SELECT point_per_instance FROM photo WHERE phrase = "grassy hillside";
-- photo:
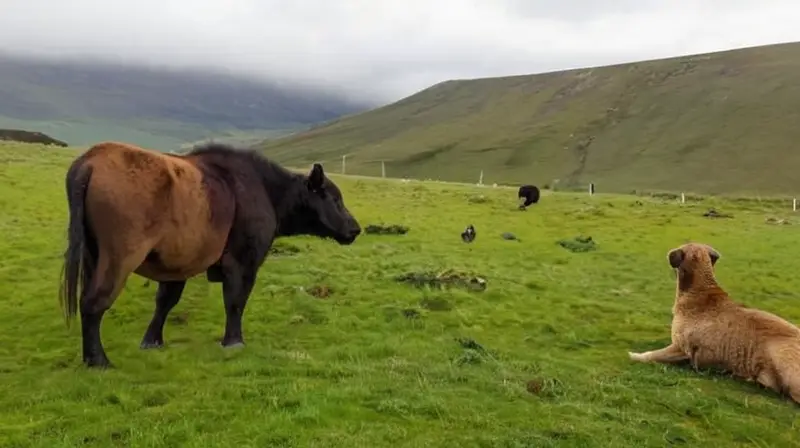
(537, 359)
(715, 123)
(19, 136)
(83, 103)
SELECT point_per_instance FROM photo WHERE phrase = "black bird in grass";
(468, 235)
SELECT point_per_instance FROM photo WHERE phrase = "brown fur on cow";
(711, 330)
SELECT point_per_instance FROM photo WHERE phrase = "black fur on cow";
(530, 193)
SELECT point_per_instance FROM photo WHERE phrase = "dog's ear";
(714, 255)
(675, 257)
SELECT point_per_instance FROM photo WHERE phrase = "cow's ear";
(316, 178)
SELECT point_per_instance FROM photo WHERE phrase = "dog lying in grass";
(712, 331)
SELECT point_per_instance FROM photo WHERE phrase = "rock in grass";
(509, 236)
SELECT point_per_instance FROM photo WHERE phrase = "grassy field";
(537, 359)
(712, 123)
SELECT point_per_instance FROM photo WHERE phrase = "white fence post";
(794, 204)
(480, 179)
(683, 198)
(344, 161)
(383, 168)
(591, 188)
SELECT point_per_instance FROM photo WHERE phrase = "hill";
(340, 354)
(82, 103)
(18, 135)
(711, 123)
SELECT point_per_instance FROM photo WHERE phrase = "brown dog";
(711, 330)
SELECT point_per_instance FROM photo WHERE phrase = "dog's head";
(692, 256)
(694, 264)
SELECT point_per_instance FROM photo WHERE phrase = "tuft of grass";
(578, 244)
(537, 359)
(717, 123)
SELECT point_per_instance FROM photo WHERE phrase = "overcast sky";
(386, 49)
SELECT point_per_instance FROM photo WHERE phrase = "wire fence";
(398, 171)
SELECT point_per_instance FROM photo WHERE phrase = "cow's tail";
(78, 258)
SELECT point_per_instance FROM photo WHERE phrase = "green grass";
(378, 363)
(713, 123)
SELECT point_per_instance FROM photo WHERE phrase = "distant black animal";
(530, 195)
(468, 235)
(168, 218)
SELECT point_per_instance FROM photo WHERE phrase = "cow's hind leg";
(237, 285)
(168, 295)
(108, 280)
(105, 286)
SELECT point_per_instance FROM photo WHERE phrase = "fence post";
(480, 179)
(683, 198)
(591, 188)
(383, 168)
(794, 204)
(344, 158)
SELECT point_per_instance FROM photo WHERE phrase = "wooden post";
(591, 188)
(683, 198)
(794, 204)
(480, 179)
(344, 161)
(383, 168)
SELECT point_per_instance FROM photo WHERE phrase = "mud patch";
(380, 229)
(320, 291)
(446, 279)
(713, 213)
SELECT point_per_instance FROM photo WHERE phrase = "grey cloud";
(386, 49)
(579, 10)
